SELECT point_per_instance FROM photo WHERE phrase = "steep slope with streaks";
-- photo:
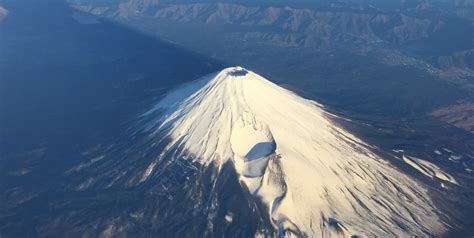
(312, 177)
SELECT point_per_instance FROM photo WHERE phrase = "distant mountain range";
(434, 38)
(439, 29)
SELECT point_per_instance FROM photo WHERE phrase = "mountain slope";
(312, 177)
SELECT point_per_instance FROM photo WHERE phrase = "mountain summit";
(310, 176)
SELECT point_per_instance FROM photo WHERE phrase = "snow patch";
(448, 150)
(428, 169)
(229, 218)
(455, 157)
(148, 171)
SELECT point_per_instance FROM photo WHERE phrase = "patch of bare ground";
(460, 115)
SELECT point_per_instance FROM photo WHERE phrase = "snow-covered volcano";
(312, 177)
